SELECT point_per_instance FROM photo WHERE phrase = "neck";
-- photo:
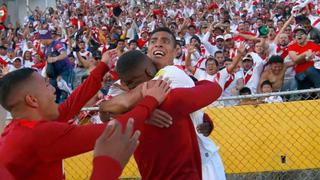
(26, 113)
(302, 44)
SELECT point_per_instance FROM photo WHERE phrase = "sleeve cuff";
(150, 102)
(101, 68)
(105, 167)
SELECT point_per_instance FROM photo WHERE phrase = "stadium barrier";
(261, 141)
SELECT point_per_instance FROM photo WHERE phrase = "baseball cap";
(300, 28)
(227, 36)
(220, 37)
(45, 34)
(247, 58)
(209, 15)
(128, 20)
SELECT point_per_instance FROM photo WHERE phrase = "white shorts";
(213, 169)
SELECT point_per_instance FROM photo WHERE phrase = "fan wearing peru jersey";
(252, 67)
(224, 77)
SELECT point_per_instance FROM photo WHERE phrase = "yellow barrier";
(268, 137)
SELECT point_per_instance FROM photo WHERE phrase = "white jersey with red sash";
(252, 76)
(282, 51)
(229, 86)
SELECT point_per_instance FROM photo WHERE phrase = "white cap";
(209, 15)
(128, 20)
(219, 37)
(227, 36)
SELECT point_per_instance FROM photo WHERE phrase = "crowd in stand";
(243, 46)
(281, 40)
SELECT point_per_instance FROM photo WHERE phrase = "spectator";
(57, 61)
(247, 101)
(275, 73)
(266, 87)
(17, 64)
(303, 52)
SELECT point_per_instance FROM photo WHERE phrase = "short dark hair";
(217, 52)
(276, 59)
(132, 41)
(196, 38)
(167, 30)
(212, 59)
(129, 61)
(244, 90)
(228, 60)
(10, 82)
(266, 82)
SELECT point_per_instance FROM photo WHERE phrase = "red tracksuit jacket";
(173, 153)
(35, 149)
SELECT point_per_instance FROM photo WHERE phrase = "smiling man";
(162, 50)
(38, 138)
(302, 53)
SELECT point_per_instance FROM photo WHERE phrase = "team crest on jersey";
(160, 73)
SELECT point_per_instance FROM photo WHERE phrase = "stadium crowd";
(245, 46)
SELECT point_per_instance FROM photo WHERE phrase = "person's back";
(169, 149)
(173, 153)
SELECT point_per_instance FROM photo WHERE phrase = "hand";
(160, 119)
(110, 57)
(242, 49)
(51, 59)
(115, 144)
(309, 54)
(204, 128)
(159, 90)
(191, 49)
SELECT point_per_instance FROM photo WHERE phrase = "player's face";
(45, 97)
(162, 49)
(276, 68)
(144, 73)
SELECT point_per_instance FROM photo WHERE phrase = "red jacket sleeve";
(148, 103)
(56, 140)
(5, 174)
(105, 167)
(82, 94)
(205, 93)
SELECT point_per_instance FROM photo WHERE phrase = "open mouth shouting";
(158, 53)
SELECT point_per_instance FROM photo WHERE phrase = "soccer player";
(179, 141)
(34, 144)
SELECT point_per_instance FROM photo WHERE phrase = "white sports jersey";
(252, 77)
(203, 75)
(212, 167)
(228, 88)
